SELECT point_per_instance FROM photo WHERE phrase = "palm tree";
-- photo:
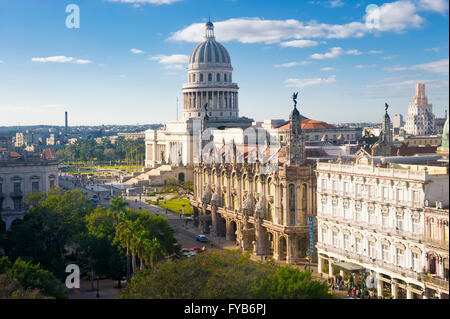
(140, 241)
(118, 206)
(124, 237)
(153, 251)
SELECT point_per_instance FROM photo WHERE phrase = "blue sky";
(127, 61)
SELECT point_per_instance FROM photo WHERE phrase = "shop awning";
(349, 266)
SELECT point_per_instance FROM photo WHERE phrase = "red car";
(198, 249)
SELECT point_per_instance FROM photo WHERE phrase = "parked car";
(202, 238)
(199, 249)
(107, 197)
(190, 218)
(94, 196)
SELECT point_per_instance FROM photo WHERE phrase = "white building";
(210, 99)
(420, 118)
(18, 177)
(372, 218)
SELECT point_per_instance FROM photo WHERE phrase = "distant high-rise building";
(398, 121)
(67, 125)
(420, 118)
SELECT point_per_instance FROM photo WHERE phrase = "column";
(425, 294)
(319, 264)
(394, 289)
(289, 249)
(379, 286)
(409, 293)
(330, 268)
(227, 230)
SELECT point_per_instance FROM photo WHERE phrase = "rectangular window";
(52, 183)
(358, 215)
(35, 186)
(345, 188)
(385, 219)
(385, 193)
(415, 225)
(358, 245)
(400, 222)
(17, 188)
(416, 197)
(17, 202)
(347, 214)
(324, 184)
(372, 250)
(385, 253)
(335, 186)
(400, 257)
(372, 218)
(335, 239)
(346, 242)
(415, 261)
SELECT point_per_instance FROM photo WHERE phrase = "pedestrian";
(349, 292)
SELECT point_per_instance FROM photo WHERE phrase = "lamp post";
(98, 294)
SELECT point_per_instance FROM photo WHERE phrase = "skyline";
(128, 61)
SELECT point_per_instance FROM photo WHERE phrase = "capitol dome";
(210, 90)
(210, 51)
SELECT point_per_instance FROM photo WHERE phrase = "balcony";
(16, 194)
(440, 282)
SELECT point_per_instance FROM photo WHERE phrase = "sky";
(126, 60)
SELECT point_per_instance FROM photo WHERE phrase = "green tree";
(32, 277)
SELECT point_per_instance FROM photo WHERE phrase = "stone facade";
(263, 205)
(19, 177)
(374, 218)
(436, 239)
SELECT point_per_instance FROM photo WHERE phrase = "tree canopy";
(222, 275)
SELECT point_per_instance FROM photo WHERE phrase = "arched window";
(292, 203)
(218, 77)
(209, 77)
(432, 229)
(225, 77)
(201, 77)
(445, 226)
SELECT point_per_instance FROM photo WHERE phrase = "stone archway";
(2, 226)
(432, 263)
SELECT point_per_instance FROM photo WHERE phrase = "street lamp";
(98, 294)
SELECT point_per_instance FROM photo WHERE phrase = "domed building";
(209, 97)
(210, 82)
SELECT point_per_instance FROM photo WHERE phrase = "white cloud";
(291, 64)
(256, 30)
(301, 83)
(334, 53)
(170, 59)
(440, 67)
(299, 43)
(365, 66)
(336, 3)
(440, 6)
(61, 59)
(171, 62)
(395, 16)
(138, 2)
(1, 61)
(327, 68)
(432, 49)
(136, 51)
(388, 57)
(375, 52)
